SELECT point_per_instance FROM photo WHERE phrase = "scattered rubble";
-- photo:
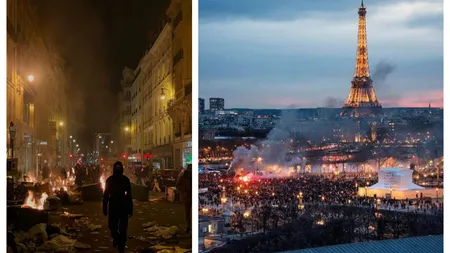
(38, 233)
(149, 224)
(166, 249)
(47, 238)
(58, 244)
(94, 227)
(79, 245)
(160, 231)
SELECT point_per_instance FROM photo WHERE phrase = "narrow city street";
(157, 209)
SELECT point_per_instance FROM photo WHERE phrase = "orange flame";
(103, 182)
(31, 202)
(61, 184)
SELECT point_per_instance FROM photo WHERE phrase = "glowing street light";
(30, 78)
(163, 94)
(77, 145)
(127, 129)
(74, 140)
(70, 137)
(61, 123)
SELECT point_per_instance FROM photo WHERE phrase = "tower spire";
(362, 57)
(362, 94)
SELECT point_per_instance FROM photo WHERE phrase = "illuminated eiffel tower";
(362, 100)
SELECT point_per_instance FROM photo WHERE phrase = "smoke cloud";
(331, 102)
(274, 148)
(382, 71)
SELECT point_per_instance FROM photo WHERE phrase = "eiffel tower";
(362, 100)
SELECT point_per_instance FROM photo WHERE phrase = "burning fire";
(30, 179)
(31, 202)
(103, 182)
(59, 184)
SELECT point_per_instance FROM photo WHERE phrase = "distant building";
(216, 104)
(201, 105)
(125, 110)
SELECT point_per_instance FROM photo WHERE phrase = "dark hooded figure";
(118, 205)
(184, 187)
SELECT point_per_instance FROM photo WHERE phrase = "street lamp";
(61, 123)
(77, 145)
(163, 94)
(74, 140)
(70, 137)
(30, 78)
(127, 129)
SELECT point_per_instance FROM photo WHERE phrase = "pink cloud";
(416, 99)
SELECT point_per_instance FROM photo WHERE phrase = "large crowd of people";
(260, 204)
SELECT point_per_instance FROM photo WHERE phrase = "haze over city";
(302, 53)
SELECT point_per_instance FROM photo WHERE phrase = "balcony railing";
(177, 20)
(178, 57)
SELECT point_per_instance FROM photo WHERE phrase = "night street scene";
(343, 166)
(99, 105)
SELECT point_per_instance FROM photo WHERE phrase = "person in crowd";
(45, 171)
(156, 185)
(184, 187)
(118, 205)
(79, 175)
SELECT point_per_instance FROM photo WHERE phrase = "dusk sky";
(290, 53)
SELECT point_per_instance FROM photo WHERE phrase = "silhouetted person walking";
(184, 187)
(118, 205)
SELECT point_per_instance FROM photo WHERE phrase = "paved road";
(162, 211)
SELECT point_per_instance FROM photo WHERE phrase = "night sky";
(98, 39)
(292, 53)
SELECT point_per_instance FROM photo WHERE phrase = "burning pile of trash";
(32, 202)
(65, 189)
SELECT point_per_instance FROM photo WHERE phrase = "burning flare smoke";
(31, 202)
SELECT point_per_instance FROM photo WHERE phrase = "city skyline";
(279, 53)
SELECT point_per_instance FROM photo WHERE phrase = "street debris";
(71, 215)
(166, 249)
(79, 245)
(58, 244)
(160, 231)
(94, 227)
(149, 224)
